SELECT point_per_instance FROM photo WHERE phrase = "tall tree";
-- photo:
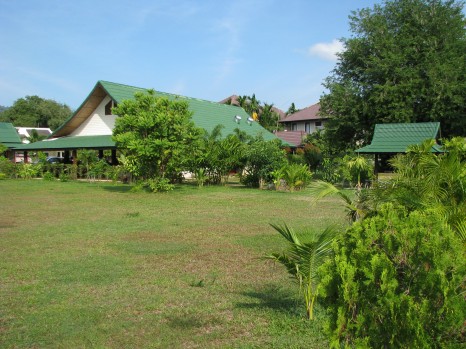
(34, 111)
(157, 135)
(406, 62)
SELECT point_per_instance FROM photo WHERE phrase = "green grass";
(95, 266)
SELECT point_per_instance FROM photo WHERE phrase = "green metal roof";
(8, 135)
(396, 138)
(206, 114)
(71, 142)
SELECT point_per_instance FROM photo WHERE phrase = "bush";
(7, 167)
(396, 281)
(294, 175)
(159, 185)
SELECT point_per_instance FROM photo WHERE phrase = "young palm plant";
(357, 207)
(303, 258)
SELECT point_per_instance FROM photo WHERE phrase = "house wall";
(301, 126)
(98, 123)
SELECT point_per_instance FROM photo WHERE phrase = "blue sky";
(279, 50)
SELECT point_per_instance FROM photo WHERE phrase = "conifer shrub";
(397, 280)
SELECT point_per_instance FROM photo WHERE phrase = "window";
(294, 126)
(307, 127)
(109, 106)
(318, 123)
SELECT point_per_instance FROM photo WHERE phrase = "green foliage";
(217, 156)
(156, 134)
(159, 185)
(265, 114)
(33, 111)
(28, 171)
(329, 170)
(396, 281)
(313, 155)
(7, 167)
(3, 149)
(261, 159)
(406, 62)
(48, 176)
(295, 176)
(429, 182)
(306, 252)
(357, 169)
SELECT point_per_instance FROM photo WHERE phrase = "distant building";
(298, 125)
(26, 132)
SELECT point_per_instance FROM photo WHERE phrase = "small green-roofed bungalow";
(391, 139)
(9, 137)
(92, 124)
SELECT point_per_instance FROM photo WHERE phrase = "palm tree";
(428, 181)
(357, 208)
(302, 260)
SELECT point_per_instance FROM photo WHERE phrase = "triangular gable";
(396, 138)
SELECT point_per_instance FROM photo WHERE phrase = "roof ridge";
(165, 93)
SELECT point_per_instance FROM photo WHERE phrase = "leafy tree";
(157, 135)
(33, 111)
(261, 159)
(406, 62)
(292, 109)
(265, 114)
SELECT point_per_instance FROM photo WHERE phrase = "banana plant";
(303, 258)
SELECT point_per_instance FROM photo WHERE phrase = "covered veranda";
(71, 145)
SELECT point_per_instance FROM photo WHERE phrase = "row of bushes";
(98, 170)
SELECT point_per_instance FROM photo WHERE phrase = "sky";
(281, 50)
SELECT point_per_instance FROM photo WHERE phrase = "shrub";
(159, 185)
(296, 176)
(7, 167)
(396, 281)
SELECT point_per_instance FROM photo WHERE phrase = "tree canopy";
(34, 111)
(406, 62)
(157, 135)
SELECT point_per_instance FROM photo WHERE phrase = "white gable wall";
(97, 123)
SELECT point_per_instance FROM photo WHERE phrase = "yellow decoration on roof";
(254, 116)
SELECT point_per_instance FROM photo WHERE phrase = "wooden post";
(101, 154)
(25, 154)
(75, 156)
(376, 166)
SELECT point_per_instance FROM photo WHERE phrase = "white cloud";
(327, 50)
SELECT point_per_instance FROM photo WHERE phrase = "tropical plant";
(357, 205)
(306, 252)
(357, 166)
(296, 176)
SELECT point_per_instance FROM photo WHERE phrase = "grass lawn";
(95, 266)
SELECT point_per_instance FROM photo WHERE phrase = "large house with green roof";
(91, 126)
